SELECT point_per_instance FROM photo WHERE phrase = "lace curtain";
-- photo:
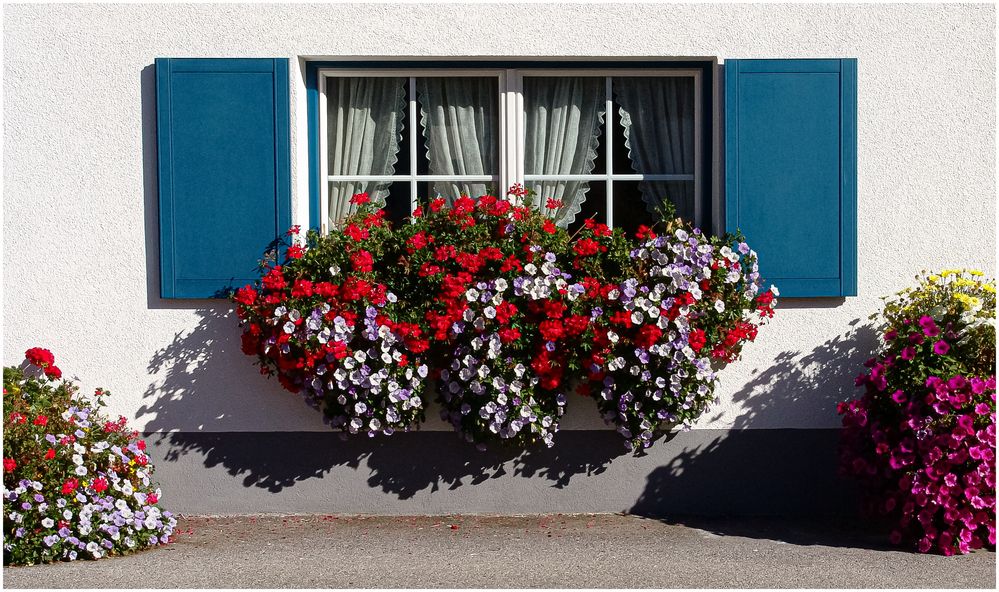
(563, 117)
(460, 120)
(657, 114)
(365, 118)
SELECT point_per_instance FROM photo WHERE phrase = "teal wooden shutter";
(791, 170)
(224, 159)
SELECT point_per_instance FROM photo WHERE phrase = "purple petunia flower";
(941, 348)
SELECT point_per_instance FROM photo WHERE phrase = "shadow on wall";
(814, 381)
(199, 369)
(741, 472)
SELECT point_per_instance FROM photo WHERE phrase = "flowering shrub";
(326, 324)
(75, 485)
(922, 437)
(688, 299)
(497, 307)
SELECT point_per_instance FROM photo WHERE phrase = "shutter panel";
(791, 170)
(224, 160)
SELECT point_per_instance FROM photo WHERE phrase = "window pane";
(364, 132)
(397, 205)
(657, 118)
(657, 121)
(393, 196)
(595, 206)
(638, 202)
(459, 120)
(563, 118)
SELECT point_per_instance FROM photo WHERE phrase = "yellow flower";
(975, 272)
(933, 279)
(969, 302)
(949, 272)
(989, 288)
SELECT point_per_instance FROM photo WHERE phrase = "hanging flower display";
(498, 315)
(325, 324)
(689, 303)
(499, 310)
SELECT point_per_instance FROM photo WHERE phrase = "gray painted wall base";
(702, 472)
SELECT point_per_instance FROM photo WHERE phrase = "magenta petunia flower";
(941, 348)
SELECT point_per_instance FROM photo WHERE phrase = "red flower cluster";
(43, 359)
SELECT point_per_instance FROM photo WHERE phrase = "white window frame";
(510, 84)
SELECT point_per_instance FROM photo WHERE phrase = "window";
(612, 144)
(790, 147)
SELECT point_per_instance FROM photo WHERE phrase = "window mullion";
(514, 126)
(609, 143)
(323, 137)
(413, 124)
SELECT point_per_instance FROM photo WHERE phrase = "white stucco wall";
(80, 232)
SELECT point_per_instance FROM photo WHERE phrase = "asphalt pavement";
(550, 551)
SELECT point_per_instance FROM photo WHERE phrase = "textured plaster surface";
(80, 221)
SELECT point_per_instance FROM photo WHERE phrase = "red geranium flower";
(362, 261)
(9, 465)
(246, 296)
(301, 289)
(70, 486)
(697, 340)
(360, 199)
(40, 357)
